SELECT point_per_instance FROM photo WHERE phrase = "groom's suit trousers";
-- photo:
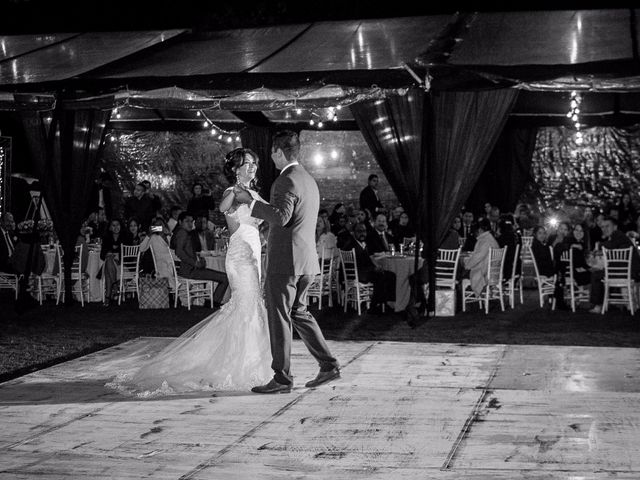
(287, 309)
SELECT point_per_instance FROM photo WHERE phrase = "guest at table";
(340, 226)
(402, 230)
(580, 248)
(339, 211)
(201, 200)
(626, 213)
(110, 254)
(99, 224)
(384, 282)
(507, 237)
(204, 238)
(155, 246)
(192, 266)
(135, 234)
(394, 221)
(140, 206)
(380, 240)
(325, 239)
(613, 238)
(174, 213)
(477, 263)
(542, 253)
(452, 238)
(20, 257)
(468, 231)
(595, 232)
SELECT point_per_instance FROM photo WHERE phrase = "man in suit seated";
(613, 238)
(384, 282)
(191, 266)
(379, 240)
(468, 231)
(205, 239)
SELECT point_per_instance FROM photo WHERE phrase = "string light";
(574, 115)
(215, 129)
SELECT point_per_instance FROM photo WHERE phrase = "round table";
(403, 267)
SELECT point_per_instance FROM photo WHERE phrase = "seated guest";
(626, 213)
(339, 225)
(613, 238)
(20, 257)
(136, 235)
(110, 253)
(204, 238)
(477, 263)
(395, 219)
(468, 231)
(579, 245)
(174, 213)
(384, 282)
(542, 253)
(182, 221)
(323, 213)
(402, 230)
(379, 240)
(507, 237)
(99, 224)
(155, 246)
(338, 211)
(452, 239)
(192, 266)
(595, 232)
(325, 239)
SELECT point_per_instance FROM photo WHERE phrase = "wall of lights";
(5, 173)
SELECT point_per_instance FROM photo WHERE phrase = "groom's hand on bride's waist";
(242, 195)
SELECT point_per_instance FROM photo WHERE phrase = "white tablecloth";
(403, 267)
(93, 267)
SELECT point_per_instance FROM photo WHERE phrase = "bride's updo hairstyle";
(234, 160)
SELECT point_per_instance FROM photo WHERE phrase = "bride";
(228, 350)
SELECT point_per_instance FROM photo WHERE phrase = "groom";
(292, 264)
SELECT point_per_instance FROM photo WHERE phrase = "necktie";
(384, 241)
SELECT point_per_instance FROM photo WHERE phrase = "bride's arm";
(227, 200)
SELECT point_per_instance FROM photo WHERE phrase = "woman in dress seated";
(110, 254)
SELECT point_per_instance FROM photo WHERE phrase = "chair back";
(526, 240)
(617, 263)
(349, 265)
(129, 256)
(447, 267)
(496, 264)
(534, 261)
(77, 266)
(326, 262)
(516, 256)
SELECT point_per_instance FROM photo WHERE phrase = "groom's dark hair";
(288, 142)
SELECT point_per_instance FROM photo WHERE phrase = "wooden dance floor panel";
(400, 410)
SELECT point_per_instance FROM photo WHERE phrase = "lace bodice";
(242, 214)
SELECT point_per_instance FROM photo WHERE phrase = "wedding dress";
(228, 350)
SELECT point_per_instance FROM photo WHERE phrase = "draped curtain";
(259, 139)
(432, 148)
(66, 145)
(507, 172)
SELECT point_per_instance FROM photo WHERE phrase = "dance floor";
(400, 410)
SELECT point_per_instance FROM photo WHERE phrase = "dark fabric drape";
(466, 126)
(66, 144)
(432, 148)
(507, 172)
(259, 139)
(393, 130)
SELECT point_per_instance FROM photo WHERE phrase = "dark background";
(35, 16)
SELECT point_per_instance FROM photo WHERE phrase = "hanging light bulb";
(220, 137)
(229, 139)
(312, 122)
(339, 107)
(238, 138)
(320, 124)
(213, 131)
(335, 118)
(205, 123)
(298, 111)
(198, 113)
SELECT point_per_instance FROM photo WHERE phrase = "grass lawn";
(50, 334)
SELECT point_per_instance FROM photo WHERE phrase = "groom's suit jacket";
(292, 214)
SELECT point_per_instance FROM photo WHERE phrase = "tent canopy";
(315, 65)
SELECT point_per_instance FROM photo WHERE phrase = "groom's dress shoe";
(323, 377)
(272, 387)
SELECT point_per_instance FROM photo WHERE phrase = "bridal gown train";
(228, 350)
